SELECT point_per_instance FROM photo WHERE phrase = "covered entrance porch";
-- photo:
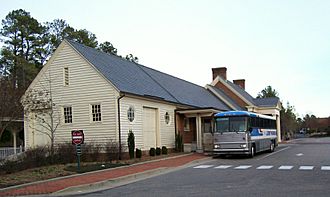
(195, 126)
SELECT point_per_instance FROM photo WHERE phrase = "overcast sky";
(282, 43)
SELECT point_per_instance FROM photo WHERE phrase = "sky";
(281, 43)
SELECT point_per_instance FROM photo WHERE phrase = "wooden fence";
(7, 151)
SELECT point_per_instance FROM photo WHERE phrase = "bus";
(243, 132)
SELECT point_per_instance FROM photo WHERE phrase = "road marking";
(264, 167)
(273, 153)
(223, 166)
(300, 154)
(243, 167)
(285, 167)
(203, 166)
(325, 168)
(306, 167)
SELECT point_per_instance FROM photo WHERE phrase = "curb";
(108, 184)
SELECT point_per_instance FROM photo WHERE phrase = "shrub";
(131, 144)
(112, 150)
(10, 166)
(37, 157)
(178, 143)
(164, 150)
(138, 153)
(65, 153)
(158, 151)
(90, 151)
(152, 152)
(31, 158)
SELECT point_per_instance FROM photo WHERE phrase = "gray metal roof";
(260, 102)
(241, 91)
(266, 102)
(129, 77)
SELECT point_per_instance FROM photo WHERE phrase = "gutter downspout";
(175, 119)
(119, 127)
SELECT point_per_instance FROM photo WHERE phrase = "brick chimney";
(240, 83)
(221, 71)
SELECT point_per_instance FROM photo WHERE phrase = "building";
(106, 96)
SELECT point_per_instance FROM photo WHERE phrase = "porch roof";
(197, 111)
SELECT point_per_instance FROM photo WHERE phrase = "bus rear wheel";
(271, 147)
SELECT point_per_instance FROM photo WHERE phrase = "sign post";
(78, 139)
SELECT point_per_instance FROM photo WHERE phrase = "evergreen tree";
(267, 93)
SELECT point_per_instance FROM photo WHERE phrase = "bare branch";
(41, 103)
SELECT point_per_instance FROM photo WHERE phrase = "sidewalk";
(103, 179)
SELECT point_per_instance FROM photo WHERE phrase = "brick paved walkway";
(60, 184)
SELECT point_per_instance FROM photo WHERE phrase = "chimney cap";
(219, 71)
(240, 83)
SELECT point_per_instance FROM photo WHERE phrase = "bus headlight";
(216, 146)
(243, 145)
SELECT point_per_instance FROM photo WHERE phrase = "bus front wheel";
(252, 151)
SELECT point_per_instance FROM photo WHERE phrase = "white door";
(149, 128)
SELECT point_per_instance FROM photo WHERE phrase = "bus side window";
(273, 124)
(253, 123)
(267, 123)
(259, 123)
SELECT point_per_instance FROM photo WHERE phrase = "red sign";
(77, 137)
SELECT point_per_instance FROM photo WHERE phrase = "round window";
(130, 114)
(167, 118)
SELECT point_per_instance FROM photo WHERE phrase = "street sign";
(77, 137)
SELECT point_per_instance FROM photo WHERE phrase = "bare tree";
(45, 112)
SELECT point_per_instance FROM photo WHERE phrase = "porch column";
(199, 133)
(15, 143)
(278, 128)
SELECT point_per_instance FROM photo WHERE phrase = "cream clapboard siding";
(166, 132)
(86, 87)
(34, 138)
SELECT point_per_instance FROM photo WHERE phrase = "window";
(167, 118)
(231, 124)
(206, 125)
(238, 124)
(222, 125)
(67, 114)
(66, 76)
(96, 113)
(262, 123)
(186, 124)
(130, 114)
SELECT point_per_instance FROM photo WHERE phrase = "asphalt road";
(300, 168)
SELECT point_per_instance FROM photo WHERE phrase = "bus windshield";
(231, 124)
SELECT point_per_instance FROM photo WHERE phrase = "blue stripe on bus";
(263, 132)
(235, 113)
